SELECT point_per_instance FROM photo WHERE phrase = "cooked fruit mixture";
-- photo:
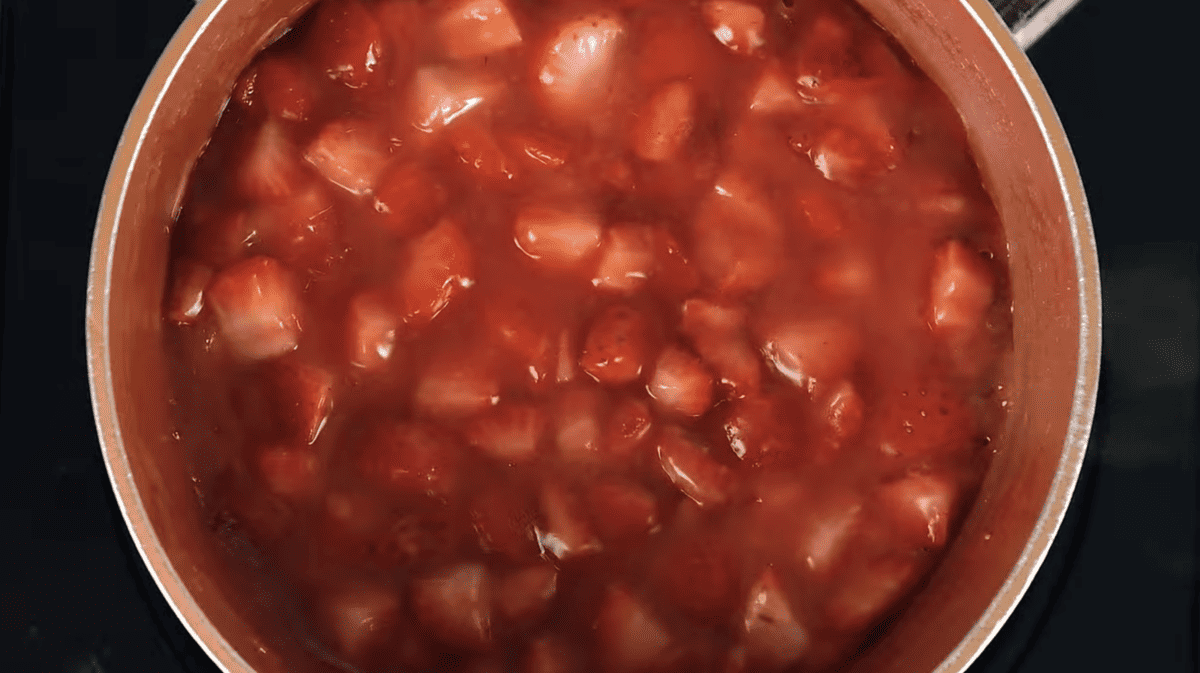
(561, 337)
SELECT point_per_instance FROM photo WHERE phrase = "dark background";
(1117, 593)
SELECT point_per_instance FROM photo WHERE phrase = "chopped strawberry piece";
(675, 47)
(843, 411)
(478, 151)
(346, 43)
(561, 239)
(503, 520)
(824, 216)
(348, 520)
(576, 67)
(411, 458)
(525, 594)
(300, 230)
(825, 536)
(622, 510)
(511, 323)
(849, 157)
(577, 424)
(739, 26)
(752, 427)
(827, 54)
(628, 425)
(775, 92)
(271, 167)
(455, 604)
(439, 267)
(440, 95)
(186, 300)
(921, 507)
(477, 28)
(719, 335)
(414, 537)
(773, 636)
(675, 275)
(282, 86)
(921, 418)
(361, 619)
(303, 395)
(407, 198)
(257, 308)
(349, 153)
(538, 150)
(566, 365)
(455, 385)
(738, 238)
(289, 472)
(627, 259)
(696, 572)
(811, 352)
(371, 326)
(867, 590)
(509, 432)
(961, 288)
(665, 122)
(630, 638)
(548, 654)
(846, 274)
(692, 470)
(404, 25)
(680, 384)
(565, 534)
(616, 349)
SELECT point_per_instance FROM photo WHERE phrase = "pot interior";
(1027, 168)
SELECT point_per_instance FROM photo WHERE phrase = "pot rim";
(214, 644)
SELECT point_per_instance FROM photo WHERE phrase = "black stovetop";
(1118, 591)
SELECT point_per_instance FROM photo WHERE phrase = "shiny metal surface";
(1028, 168)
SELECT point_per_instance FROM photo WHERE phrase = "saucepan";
(1027, 166)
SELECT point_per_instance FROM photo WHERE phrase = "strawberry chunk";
(271, 167)
(560, 239)
(303, 395)
(565, 533)
(577, 424)
(773, 637)
(823, 216)
(439, 267)
(628, 426)
(509, 432)
(371, 326)
(575, 68)
(349, 153)
(616, 348)
(675, 275)
(504, 523)
(510, 322)
(346, 43)
(822, 540)
(848, 156)
(811, 352)
(289, 472)
(455, 604)
(282, 86)
(680, 384)
(630, 638)
(537, 150)
(455, 385)
(301, 229)
(622, 510)
(739, 26)
(868, 590)
(845, 274)
(441, 95)
(186, 299)
(718, 333)
(478, 151)
(477, 28)
(693, 470)
(411, 458)
(525, 595)
(407, 198)
(361, 619)
(738, 238)
(961, 288)
(774, 92)
(665, 122)
(921, 507)
(627, 259)
(842, 412)
(221, 238)
(257, 308)
(548, 654)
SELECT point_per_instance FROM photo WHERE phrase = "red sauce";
(561, 337)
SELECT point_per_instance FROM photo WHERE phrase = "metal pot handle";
(1030, 19)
